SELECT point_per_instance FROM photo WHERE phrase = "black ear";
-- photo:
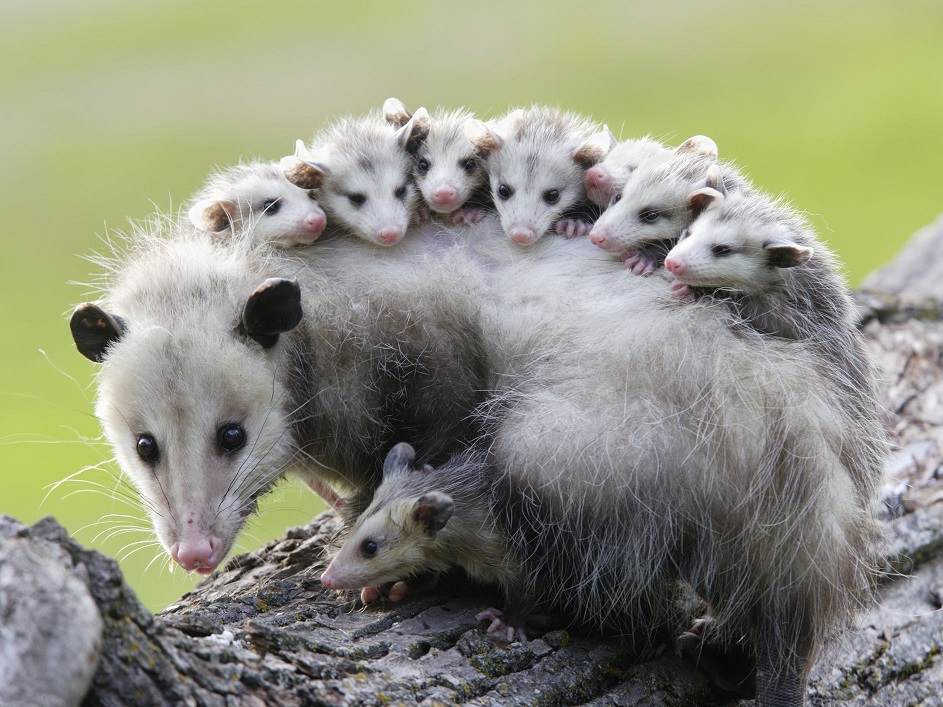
(94, 330)
(400, 458)
(433, 510)
(787, 255)
(274, 308)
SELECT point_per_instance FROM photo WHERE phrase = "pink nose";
(674, 265)
(522, 235)
(389, 236)
(327, 579)
(197, 554)
(597, 178)
(599, 235)
(315, 221)
(444, 196)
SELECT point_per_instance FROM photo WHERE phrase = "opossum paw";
(498, 625)
(731, 669)
(394, 592)
(467, 216)
(421, 215)
(573, 227)
(682, 291)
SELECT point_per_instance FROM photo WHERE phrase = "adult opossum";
(634, 439)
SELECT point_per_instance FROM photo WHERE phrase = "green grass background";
(108, 108)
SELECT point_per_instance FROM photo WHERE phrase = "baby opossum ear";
(613, 141)
(302, 171)
(395, 112)
(787, 255)
(485, 140)
(433, 510)
(697, 145)
(399, 459)
(704, 199)
(94, 330)
(213, 216)
(414, 133)
(594, 149)
(274, 308)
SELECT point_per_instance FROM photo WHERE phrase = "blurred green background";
(109, 108)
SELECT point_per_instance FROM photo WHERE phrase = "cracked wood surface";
(264, 631)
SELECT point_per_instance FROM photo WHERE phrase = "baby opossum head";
(361, 170)
(400, 533)
(188, 395)
(735, 245)
(653, 205)
(606, 179)
(448, 168)
(258, 197)
(536, 161)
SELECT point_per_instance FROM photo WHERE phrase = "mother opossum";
(637, 439)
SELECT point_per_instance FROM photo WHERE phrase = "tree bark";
(264, 631)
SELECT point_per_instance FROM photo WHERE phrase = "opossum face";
(606, 179)
(276, 210)
(448, 169)
(195, 414)
(652, 207)
(535, 169)
(399, 533)
(738, 254)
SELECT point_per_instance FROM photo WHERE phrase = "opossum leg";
(730, 668)
(394, 592)
(421, 215)
(640, 263)
(682, 291)
(508, 626)
(466, 215)
(573, 227)
(784, 656)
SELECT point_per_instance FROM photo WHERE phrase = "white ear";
(704, 199)
(212, 215)
(482, 137)
(786, 254)
(395, 113)
(612, 138)
(698, 145)
(594, 149)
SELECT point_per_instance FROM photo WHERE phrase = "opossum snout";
(523, 235)
(328, 579)
(674, 265)
(389, 235)
(198, 554)
(598, 178)
(600, 236)
(444, 197)
(315, 221)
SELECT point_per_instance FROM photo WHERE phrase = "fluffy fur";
(608, 178)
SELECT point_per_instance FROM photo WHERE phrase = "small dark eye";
(649, 215)
(551, 196)
(400, 193)
(470, 165)
(147, 448)
(270, 207)
(368, 548)
(721, 250)
(615, 199)
(422, 166)
(357, 199)
(313, 195)
(231, 437)
(505, 192)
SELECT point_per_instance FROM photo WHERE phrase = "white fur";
(608, 178)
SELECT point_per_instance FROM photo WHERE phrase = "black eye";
(470, 165)
(551, 196)
(649, 215)
(231, 437)
(313, 195)
(357, 199)
(400, 193)
(271, 206)
(368, 548)
(422, 166)
(615, 199)
(721, 250)
(147, 448)
(504, 191)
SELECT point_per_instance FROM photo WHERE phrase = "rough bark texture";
(264, 631)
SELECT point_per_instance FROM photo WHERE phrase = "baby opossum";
(360, 168)
(761, 258)
(429, 520)
(448, 169)
(258, 195)
(606, 179)
(536, 161)
(221, 372)
(647, 217)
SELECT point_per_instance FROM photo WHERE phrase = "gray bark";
(264, 631)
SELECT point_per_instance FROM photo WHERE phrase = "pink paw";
(421, 215)
(682, 291)
(639, 264)
(573, 227)
(467, 216)
(394, 592)
(498, 625)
